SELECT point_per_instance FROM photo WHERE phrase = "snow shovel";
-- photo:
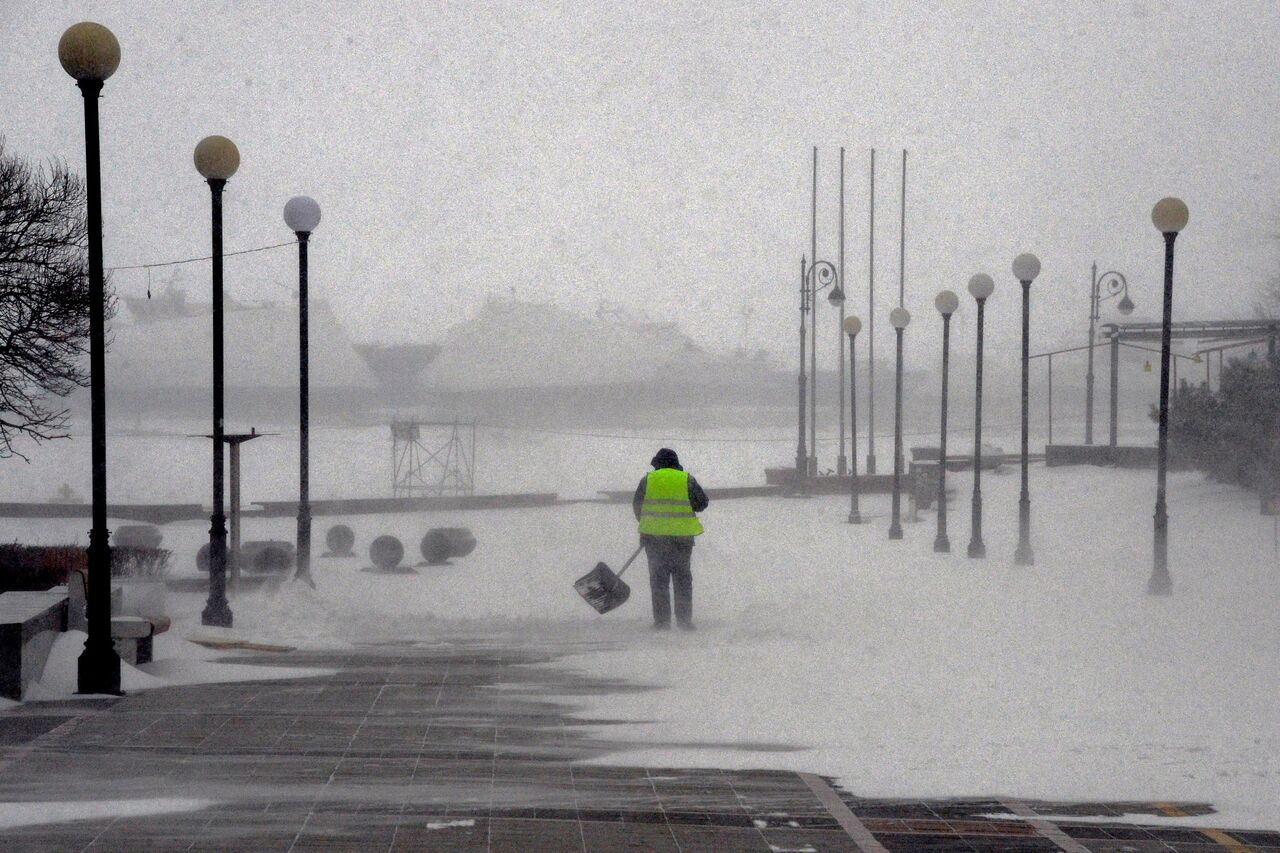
(603, 589)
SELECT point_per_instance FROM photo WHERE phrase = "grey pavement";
(465, 746)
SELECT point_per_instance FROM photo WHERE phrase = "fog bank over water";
(659, 157)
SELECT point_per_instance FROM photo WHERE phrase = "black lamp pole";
(1024, 556)
(802, 454)
(1025, 269)
(1160, 582)
(217, 611)
(98, 668)
(941, 544)
(216, 159)
(303, 571)
(1169, 216)
(977, 548)
(895, 525)
(855, 515)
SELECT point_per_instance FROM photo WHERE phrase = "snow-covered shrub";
(1233, 433)
(35, 567)
(136, 561)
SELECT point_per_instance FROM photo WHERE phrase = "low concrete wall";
(728, 493)
(1130, 456)
(992, 458)
(151, 513)
(881, 484)
(366, 506)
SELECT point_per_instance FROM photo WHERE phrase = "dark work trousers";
(669, 558)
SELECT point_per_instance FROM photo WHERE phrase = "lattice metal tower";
(433, 458)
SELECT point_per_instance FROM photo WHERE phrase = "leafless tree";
(1267, 305)
(44, 298)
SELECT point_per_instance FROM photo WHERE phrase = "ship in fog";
(510, 360)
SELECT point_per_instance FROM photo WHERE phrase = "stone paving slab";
(428, 748)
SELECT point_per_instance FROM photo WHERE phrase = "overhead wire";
(201, 258)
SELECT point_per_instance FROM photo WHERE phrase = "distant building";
(519, 360)
(162, 359)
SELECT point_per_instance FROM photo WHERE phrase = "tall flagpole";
(842, 461)
(871, 328)
(902, 251)
(813, 324)
(902, 246)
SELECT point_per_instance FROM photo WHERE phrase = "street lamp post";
(1169, 216)
(1025, 268)
(216, 159)
(302, 215)
(946, 302)
(821, 275)
(980, 287)
(1113, 430)
(898, 318)
(90, 53)
(852, 325)
(1114, 284)
(815, 278)
(802, 453)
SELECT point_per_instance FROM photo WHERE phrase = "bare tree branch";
(44, 298)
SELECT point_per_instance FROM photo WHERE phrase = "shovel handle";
(631, 559)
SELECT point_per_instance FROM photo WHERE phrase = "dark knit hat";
(665, 458)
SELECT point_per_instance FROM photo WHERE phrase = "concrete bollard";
(266, 556)
(340, 540)
(441, 543)
(386, 552)
(435, 547)
(137, 536)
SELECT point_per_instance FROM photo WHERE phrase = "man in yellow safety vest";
(665, 504)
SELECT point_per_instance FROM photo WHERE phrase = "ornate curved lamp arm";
(1112, 284)
(825, 273)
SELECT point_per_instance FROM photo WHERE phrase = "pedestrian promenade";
(465, 746)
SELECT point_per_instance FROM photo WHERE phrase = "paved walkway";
(458, 747)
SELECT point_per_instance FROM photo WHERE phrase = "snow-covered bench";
(29, 623)
(131, 635)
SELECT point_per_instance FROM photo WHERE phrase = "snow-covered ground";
(905, 672)
(170, 461)
(900, 671)
(14, 815)
(178, 662)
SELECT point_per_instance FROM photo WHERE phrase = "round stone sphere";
(386, 552)
(266, 557)
(435, 547)
(137, 536)
(461, 541)
(340, 540)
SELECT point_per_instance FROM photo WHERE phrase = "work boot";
(661, 626)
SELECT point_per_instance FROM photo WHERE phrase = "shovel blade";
(602, 589)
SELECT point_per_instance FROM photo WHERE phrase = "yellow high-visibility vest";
(666, 510)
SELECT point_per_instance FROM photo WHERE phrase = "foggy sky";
(658, 154)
